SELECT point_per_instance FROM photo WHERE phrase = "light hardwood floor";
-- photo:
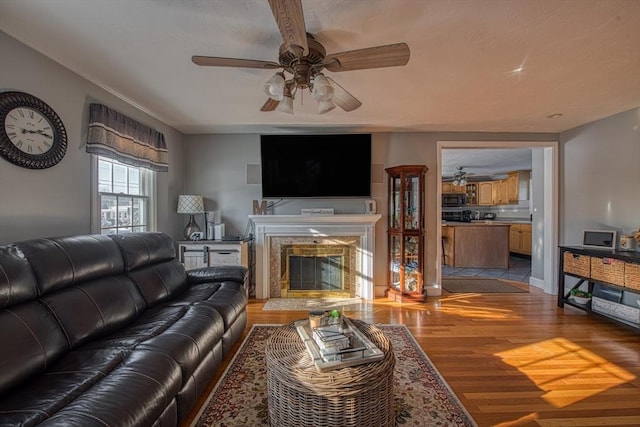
(515, 359)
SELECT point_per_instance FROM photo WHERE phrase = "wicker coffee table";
(299, 395)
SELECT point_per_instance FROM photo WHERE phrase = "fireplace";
(354, 231)
(315, 270)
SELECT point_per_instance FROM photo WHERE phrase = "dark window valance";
(114, 135)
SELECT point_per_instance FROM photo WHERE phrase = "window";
(124, 200)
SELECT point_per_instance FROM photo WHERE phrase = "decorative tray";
(361, 349)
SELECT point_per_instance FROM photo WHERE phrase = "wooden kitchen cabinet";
(485, 193)
(518, 186)
(406, 233)
(500, 192)
(520, 239)
(448, 187)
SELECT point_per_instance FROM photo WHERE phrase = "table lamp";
(189, 204)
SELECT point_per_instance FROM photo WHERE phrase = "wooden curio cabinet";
(406, 233)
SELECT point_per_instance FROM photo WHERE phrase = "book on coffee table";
(333, 349)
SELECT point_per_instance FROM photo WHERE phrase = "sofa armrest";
(219, 273)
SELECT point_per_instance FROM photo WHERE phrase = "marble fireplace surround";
(358, 227)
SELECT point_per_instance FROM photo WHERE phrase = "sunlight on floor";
(462, 306)
(555, 363)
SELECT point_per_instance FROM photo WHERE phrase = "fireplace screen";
(315, 270)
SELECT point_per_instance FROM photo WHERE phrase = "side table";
(298, 395)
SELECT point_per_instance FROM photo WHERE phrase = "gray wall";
(57, 201)
(217, 170)
(600, 177)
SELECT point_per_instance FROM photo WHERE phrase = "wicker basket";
(577, 264)
(632, 276)
(608, 270)
(298, 395)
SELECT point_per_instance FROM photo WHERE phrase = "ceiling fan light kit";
(274, 87)
(302, 56)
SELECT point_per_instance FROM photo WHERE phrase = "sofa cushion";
(44, 395)
(99, 307)
(190, 339)
(60, 262)
(17, 281)
(160, 282)
(135, 393)
(140, 249)
(228, 298)
(32, 341)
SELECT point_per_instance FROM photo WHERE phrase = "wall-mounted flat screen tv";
(322, 166)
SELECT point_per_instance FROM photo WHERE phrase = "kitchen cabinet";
(520, 239)
(599, 269)
(406, 233)
(485, 193)
(472, 193)
(448, 187)
(206, 253)
(518, 186)
(476, 245)
(500, 192)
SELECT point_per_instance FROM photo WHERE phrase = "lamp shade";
(322, 89)
(275, 87)
(189, 204)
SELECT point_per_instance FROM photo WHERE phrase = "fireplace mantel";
(268, 226)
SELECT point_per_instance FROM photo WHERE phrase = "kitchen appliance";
(489, 215)
(457, 216)
(454, 200)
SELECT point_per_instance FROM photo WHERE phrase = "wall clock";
(31, 133)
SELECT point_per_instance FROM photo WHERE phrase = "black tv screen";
(320, 166)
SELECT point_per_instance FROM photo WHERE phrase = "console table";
(612, 277)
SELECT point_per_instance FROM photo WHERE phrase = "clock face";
(29, 130)
(31, 133)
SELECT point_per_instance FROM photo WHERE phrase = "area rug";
(477, 285)
(422, 397)
(306, 304)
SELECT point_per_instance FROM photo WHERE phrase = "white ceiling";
(578, 58)
(483, 163)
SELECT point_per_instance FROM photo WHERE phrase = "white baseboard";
(538, 283)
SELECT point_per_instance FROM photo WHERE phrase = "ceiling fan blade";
(391, 55)
(212, 61)
(342, 98)
(270, 105)
(290, 20)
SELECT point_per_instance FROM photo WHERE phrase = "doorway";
(542, 210)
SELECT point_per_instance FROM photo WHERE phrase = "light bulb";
(325, 106)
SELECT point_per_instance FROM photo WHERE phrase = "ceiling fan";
(304, 58)
(460, 177)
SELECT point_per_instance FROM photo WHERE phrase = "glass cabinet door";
(412, 202)
(394, 202)
(395, 260)
(412, 271)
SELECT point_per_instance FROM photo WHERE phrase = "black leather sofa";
(111, 330)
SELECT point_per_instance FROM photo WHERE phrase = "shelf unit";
(406, 233)
(584, 264)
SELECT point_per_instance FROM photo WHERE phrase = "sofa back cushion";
(95, 308)
(141, 249)
(31, 341)
(150, 259)
(65, 261)
(17, 281)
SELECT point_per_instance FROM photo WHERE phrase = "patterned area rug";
(479, 286)
(306, 304)
(422, 397)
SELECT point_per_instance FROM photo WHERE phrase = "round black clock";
(31, 133)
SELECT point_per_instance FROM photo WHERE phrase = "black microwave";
(454, 200)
